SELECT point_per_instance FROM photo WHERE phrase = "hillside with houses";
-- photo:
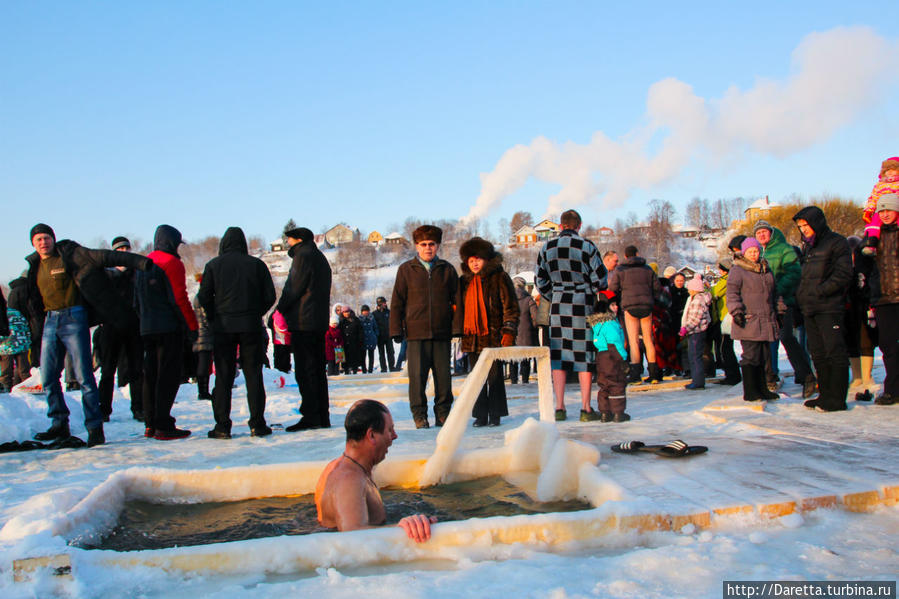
(364, 264)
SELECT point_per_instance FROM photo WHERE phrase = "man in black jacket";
(116, 343)
(236, 291)
(826, 275)
(305, 305)
(69, 284)
(385, 343)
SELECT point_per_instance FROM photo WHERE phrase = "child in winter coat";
(887, 182)
(281, 339)
(694, 323)
(14, 351)
(611, 365)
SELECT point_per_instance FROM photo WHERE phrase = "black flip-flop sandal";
(632, 447)
(674, 449)
(679, 449)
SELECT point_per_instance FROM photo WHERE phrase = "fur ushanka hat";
(889, 164)
(476, 246)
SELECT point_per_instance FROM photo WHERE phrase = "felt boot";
(856, 365)
(750, 383)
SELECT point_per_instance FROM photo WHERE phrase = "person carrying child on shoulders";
(611, 366)
(887, 183)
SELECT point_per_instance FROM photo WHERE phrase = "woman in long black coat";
(487, 315)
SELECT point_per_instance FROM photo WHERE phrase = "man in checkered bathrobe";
(570, 273)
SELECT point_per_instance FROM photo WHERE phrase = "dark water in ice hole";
(145, 525)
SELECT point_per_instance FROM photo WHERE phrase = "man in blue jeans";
(68, 283)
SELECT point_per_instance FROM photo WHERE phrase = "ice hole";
(143, 525)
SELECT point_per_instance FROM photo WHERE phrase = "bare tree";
(256, 243)
(195, 254)
(351, 267)
(520, 219)
(659, 234)
(693, 215)
(504, 235)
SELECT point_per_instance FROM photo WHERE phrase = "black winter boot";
(833, 384)
(655, 374)
(634, 374)
(765, 392)
(203, 388)
(750, 384)
(57, 431)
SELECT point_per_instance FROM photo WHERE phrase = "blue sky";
(116, 117)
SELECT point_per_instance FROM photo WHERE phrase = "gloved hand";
(508, 340)
(781, 306)
(683, 332)
(739, 319)
(397, 338)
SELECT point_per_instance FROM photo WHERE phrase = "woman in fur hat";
(486, 316)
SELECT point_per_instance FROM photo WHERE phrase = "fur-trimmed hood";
(749, 265)
(601, 317)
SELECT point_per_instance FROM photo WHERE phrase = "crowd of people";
(830, 302)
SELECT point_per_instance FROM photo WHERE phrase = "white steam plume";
(836, 75)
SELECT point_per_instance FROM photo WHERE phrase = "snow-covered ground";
(756, 458)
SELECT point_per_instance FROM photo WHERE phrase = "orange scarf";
(475, 309)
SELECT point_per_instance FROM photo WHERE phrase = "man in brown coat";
(424, 297)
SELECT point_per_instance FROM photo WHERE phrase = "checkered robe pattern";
(569, 273)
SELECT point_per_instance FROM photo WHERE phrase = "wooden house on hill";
(339, 234)
(757, 210)
(525, 237)
(395, 239)
(547, 229)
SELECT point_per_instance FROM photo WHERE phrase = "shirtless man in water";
(346, 497)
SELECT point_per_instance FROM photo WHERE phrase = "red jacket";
(174, 270)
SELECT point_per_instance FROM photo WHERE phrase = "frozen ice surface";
(784, 453)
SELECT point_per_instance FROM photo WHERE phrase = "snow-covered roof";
(393, 235)
(761, 204)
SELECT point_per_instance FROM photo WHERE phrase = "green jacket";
(719, 298)
(784, 265)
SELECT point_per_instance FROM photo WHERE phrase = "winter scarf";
(475, 309)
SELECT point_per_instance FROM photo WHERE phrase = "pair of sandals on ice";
(674, 449)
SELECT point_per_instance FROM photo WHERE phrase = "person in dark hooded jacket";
(305, 304)
(122, 349)
(236, 291)
(166, 317)
(821, 295)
